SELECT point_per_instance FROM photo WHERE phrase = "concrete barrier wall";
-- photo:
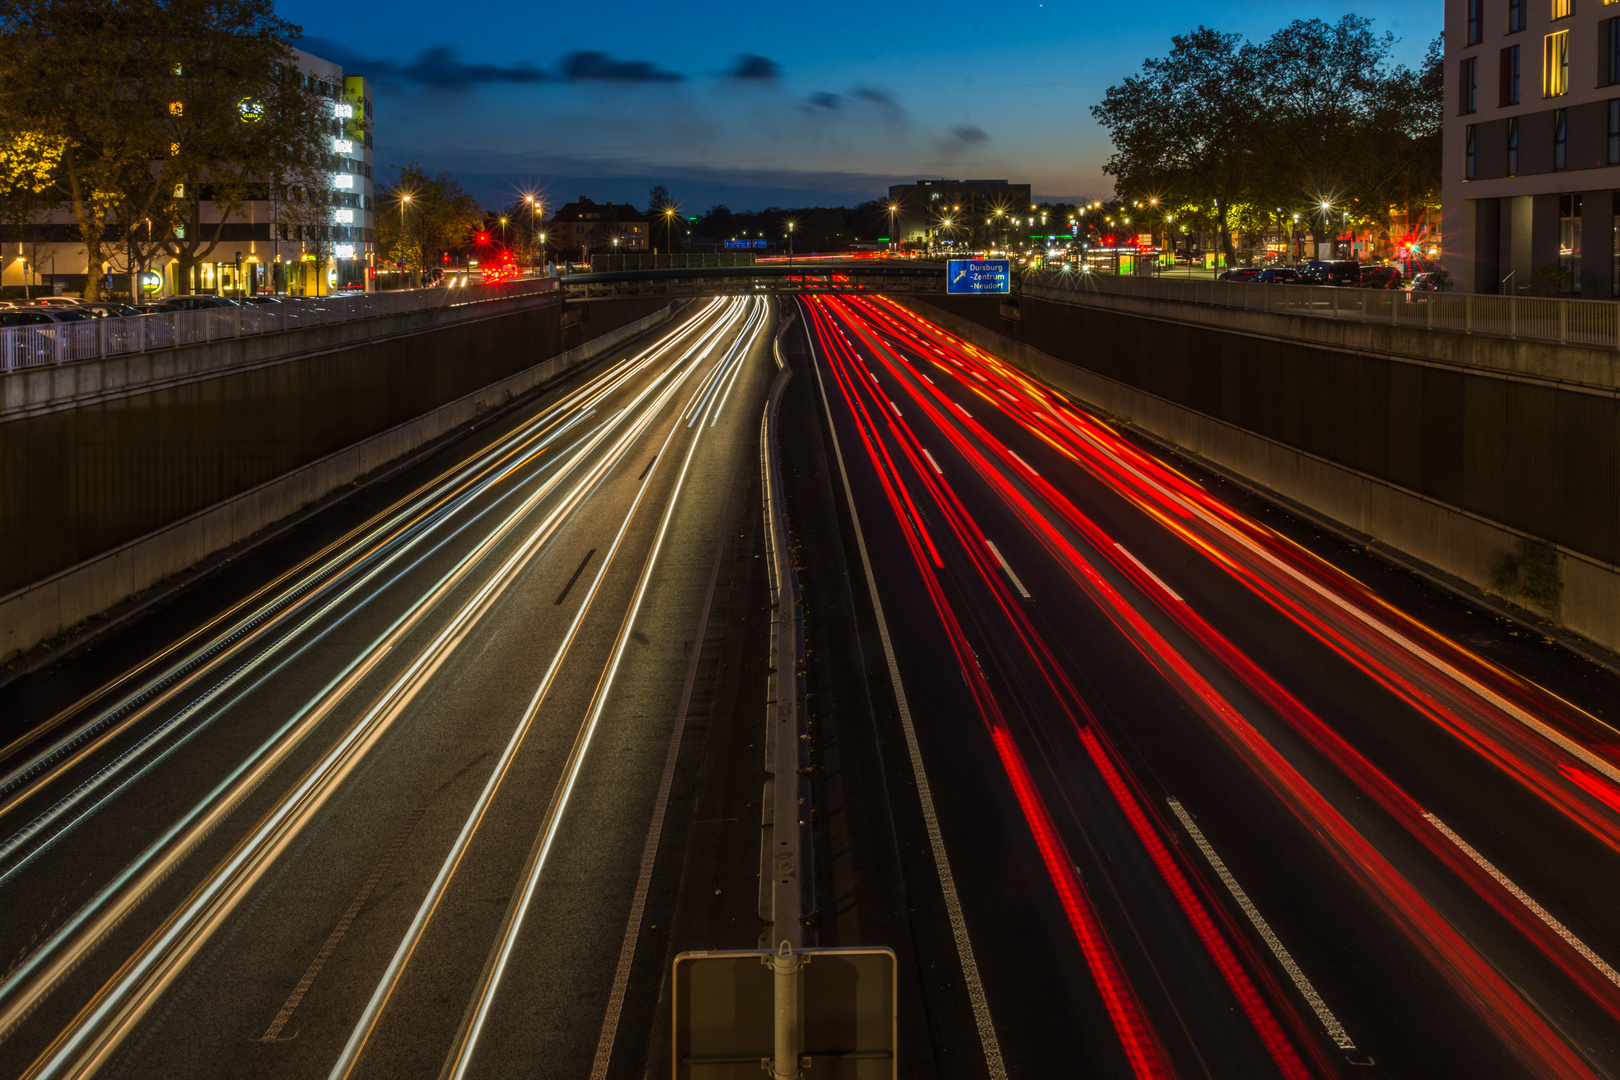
(1466, 545)
(56, 601)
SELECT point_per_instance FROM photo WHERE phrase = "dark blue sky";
(754, 104)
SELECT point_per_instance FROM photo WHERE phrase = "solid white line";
(1524, 898)
(1335, 1030)
(1019, 585)
(1151, 574)
(1024, 463)
(934, 463)
(936, 841)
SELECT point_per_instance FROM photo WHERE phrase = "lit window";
(1555, 65)
(1563, 9)
(179, 191)
(345, 216)
(343, 110)
(344, 146)
(174, 149)
(343, 180)
(177, 108)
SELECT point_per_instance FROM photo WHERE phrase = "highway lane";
(1136, 704)
(413, 772)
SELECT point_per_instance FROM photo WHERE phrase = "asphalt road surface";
(1198, 790)
(379, 802)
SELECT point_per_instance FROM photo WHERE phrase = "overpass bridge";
(911, 278)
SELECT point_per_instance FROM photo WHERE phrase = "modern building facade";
(581, 227)
(1532, 146)
(308, 240)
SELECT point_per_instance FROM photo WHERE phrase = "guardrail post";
(1468, 313)
(1513, 316)
(1563, 321)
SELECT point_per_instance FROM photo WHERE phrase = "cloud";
(751, 68)
(963, 137)
(436, 67)
(825, 101)
(874, 97)
(600, 67)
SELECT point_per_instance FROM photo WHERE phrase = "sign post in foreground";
(737, 1013)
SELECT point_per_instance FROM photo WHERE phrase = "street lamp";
(790, 240)
(404, 201)
(669, 227)
(894, 208)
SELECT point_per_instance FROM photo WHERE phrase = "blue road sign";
(759, 243)
(739, 245)
(978, 276)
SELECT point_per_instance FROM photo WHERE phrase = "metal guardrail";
(786, 869)
(47, 344)
(1592, 323)
(783, 278)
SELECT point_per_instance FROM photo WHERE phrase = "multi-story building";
(1531, 140)
(970, 205)
(307, 240)
(581, 227)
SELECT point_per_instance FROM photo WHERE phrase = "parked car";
(57, 301)
(199, 302)
(37, 316)
(1382, 277)
(1278, 275)
(1433, 281)
(1240, 274)
(106, 309)
(263, 299)
(150, 307)
(1338, 272)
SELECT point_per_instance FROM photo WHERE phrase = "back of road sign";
(724, 1011)
(978, 276)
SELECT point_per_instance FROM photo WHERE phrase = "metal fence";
(61, 343)
(1594, 323)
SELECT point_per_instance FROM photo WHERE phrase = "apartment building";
(1531, 140)
(583, 226)
(305, 242)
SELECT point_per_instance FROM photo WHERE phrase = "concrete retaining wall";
(46, 607)
(1466, 545)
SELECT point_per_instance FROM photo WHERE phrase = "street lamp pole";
(404, 201)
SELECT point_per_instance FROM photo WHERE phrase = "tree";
(29, 163)
(143, 95)
(1186, 126)
(439, 217)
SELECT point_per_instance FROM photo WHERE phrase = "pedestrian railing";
(45, 344)
(1593, 323)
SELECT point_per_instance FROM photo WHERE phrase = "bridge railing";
(1592, 323)
(43, 344)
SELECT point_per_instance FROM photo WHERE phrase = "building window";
(1569, 239)
(1614, 132)
(1468, 150)
(1515, 12)
(1563, 9)
(1609, 51)
(1560, 138)
(1555, 65)
(1509, 81)
(1470, 84)
(1513, 146)
(1473, 20)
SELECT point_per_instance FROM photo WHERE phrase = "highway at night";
(373, 801)
(1208, 804)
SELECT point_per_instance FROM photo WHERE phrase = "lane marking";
(1156, 579)
(936, 840)
(1019, 585)
(649, 853)
(1024, 463)
(1335, 1030)
(1524, 898)
(932, 462)
(342, 927)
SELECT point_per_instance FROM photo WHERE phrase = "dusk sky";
(756, 104)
